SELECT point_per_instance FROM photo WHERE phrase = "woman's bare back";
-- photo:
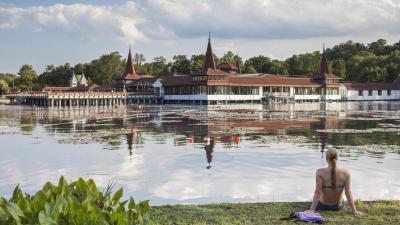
(332, 194)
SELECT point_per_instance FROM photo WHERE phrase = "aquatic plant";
(78, 202)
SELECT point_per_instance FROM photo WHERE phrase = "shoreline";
(377, 212)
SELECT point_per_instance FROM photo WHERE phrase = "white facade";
(213, 97)
(343, 95)
(369, 95)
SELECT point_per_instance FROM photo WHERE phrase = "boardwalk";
(59, 99)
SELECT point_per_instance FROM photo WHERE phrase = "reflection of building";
(209, 147)
(131, 139)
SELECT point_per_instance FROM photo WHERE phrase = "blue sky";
(47, 32)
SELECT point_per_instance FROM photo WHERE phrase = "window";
(389, 92)
(332, 91)
(360, 92)
(370, 93)
(379, 92)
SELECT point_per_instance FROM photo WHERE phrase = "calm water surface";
(258, 154)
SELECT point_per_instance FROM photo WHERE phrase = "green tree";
(379, 47)
(159, 66)
(196, 63)
(237, 58)
(303, 64)
(346, 50)
(138, 60)
(57, 75)
(250, 69)
(181, 64)
(10, 78)
(3, 86)
(259, 63)
(105, 69)
(392, 65)
(229, 57)
(277, 67)
(339, 68)
(27, 78)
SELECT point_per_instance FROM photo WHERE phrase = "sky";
(45, 32)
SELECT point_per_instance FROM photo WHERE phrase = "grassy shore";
(377, 212)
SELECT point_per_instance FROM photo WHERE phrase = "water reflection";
(160, 153)
(208, 147)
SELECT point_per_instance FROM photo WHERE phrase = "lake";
(253, 153)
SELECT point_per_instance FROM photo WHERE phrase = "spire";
(209, 58)
(323, 65)
(397, 80)
(129, 68)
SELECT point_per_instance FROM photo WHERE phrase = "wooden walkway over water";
(63, 99)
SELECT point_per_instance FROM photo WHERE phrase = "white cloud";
(89, 20)
(269, 19)
(171, 19)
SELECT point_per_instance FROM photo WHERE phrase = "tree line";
(373, 62)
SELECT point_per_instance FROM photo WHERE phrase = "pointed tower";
(323, 72)
(209, 58)
(82, 81)
(323, 65)
(396, 81)
(73, 81)
(129, 68)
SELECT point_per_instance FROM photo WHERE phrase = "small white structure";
(78, 80)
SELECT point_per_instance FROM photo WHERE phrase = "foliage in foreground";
(377, 212)
(75, 203)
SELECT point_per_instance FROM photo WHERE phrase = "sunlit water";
(259, 154)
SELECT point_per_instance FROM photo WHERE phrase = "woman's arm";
(317, 192)
(349, 197)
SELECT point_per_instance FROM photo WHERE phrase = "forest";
(377, 61)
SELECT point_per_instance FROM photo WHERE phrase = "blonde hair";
(332, 157)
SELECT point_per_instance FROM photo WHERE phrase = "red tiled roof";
(107, 87)
(246, 80)
(272, 80)
(226, 65)
(370, 86)
(143, 80)
(49, 88)
(211, 72)
(326, 76)
(176, 80)
(84, 88)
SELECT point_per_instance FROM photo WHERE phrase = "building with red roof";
(224, 83)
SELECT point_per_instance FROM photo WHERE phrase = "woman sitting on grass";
(330, 183)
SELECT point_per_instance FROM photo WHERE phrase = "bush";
(76, 203)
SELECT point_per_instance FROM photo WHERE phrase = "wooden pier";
(77, 99)
(62, 99)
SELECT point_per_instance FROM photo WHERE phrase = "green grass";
(377, 212)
